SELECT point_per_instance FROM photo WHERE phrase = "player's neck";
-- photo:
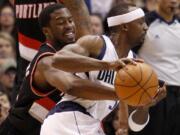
(122, 46)
(167, 17)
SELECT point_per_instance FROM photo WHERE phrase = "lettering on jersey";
(106, 76)
(27, 11)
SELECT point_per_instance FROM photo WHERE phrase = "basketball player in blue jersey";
(85, 115)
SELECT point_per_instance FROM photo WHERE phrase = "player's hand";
(121, 63)
(122, 131)
(161, 94)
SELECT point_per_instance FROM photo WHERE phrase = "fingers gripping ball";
(136, 85)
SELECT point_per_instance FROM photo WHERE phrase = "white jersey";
(99, 109)
(70, 118)
(161, 49)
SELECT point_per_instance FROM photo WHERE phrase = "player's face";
(168, 6)
(137, 31)
(62, 26)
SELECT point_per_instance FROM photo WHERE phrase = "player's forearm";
(81, 17)
(81, 88)
(123, 115)
(71, 62)
(91, 90)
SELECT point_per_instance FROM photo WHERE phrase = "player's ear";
(46, 31)
(124, 27)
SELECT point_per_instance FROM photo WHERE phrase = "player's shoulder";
(90, 41)
(90, 38)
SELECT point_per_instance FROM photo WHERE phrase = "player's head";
(57, 23)
(168, 6)
(128, 21)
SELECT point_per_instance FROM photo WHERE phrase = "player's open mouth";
(70, 34)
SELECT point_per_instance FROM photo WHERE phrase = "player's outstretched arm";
(76, 57)
(81, 16)
(73, 85)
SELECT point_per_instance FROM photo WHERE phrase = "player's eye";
(70, 20)
(61, 22)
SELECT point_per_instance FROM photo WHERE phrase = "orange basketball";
(137, 84)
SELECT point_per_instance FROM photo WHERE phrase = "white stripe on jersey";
(27, 53)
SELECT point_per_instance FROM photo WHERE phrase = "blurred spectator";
(4, 106)
(7, 75)
(101, 7)
(7, 20)
(150, 5)
(178, 12)
(138, 3)
(7, 46)
(3, 2)
(97, 24)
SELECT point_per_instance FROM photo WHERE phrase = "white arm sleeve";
(134, 126)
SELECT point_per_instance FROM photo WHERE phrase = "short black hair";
(44, 16)
(119, 9)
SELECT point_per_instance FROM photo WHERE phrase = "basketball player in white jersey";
(77, 116)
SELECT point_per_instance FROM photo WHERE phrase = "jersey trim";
(67, 106)
(103, 50)
(152, 16)
(34, 90)
(48, 44)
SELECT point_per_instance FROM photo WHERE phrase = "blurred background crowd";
(8, 41)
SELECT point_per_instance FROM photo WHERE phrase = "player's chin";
(69, 39)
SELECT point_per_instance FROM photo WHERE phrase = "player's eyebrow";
(60, 17)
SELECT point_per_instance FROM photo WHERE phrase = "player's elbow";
(70, 85)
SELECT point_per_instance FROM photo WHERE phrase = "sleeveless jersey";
(99, 109)
(30, 36)
(33, 104)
